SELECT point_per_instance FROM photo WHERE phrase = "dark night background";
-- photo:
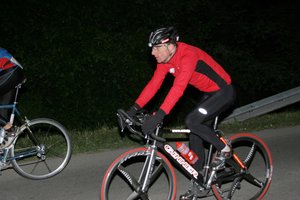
(84, 59)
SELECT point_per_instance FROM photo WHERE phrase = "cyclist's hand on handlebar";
(152, 121)
(133, 110)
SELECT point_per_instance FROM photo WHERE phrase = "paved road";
(81, 180)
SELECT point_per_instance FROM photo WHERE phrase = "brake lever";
(129, 120)
(121, 122)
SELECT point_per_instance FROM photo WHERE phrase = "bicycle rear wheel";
(124, 178)
(41, 150)
(255, 181)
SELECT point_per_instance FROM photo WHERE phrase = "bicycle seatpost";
(17, 91)
(216, 123)
(12, 115)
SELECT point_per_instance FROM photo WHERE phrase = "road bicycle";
(148, 172)
(41, 147)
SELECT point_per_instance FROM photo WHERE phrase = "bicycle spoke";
(131, 179)
(34, 168)
(62, 156)
(235, 185)
(144, 170)
(47, 166)
(145, 196)
(128, 177)
(30, 163)
(250, 155)
(135, 195)
(55, 144)
(253, 180)
(156, 173)
(52, 152)
(36, 164)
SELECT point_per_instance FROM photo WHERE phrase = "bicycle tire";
(258, 159)
(121, 179)
(41, 150)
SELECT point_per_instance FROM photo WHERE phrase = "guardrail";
(265, 105)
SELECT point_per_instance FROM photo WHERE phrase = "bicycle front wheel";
(252, 183)
(42, 149)
(125, 177)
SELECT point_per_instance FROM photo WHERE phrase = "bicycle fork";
(147, 170)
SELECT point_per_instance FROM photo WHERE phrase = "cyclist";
(189, 65)
(11, 74)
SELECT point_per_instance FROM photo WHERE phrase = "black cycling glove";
(133, 110)
(151, 123)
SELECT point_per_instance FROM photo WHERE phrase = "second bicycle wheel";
(124, 178)
(42, 149)
(255, 181)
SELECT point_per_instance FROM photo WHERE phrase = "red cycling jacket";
(189, 65)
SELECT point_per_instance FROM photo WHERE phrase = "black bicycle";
(148, 173)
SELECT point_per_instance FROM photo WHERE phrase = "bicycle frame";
(209, 153)
(206, 180)
(5, 158)
(166, 149)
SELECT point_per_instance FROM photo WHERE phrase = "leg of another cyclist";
(9, 79)
(7, 98)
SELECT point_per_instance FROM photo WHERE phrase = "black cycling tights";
(9, 79)
(199, 121)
